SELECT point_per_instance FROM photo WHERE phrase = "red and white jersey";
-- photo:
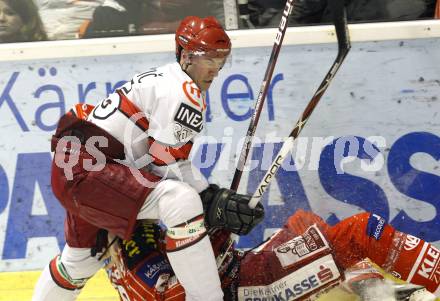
(155, 116)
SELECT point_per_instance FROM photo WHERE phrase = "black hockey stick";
(340, 22)
(262, 95)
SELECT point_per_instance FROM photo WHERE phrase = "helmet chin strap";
(184, 66)
(185, 61)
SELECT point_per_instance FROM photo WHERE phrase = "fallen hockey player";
(301, 261)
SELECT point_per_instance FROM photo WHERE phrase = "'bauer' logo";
(283, 23)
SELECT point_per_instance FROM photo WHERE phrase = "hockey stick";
(262, 95)
(340, 22)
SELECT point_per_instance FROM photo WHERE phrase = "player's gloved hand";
(226, 209)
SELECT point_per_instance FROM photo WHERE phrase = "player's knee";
(181, 211)
(179, 204)
(77, 264)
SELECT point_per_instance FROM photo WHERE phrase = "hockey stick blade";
(262, 95)
(340, 22)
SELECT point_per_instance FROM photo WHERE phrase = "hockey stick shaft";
(261, 96)
(340, 22)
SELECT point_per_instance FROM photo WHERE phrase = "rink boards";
(372, 144)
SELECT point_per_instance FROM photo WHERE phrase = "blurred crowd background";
(38, 20)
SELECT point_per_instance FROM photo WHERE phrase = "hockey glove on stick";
(226, 209)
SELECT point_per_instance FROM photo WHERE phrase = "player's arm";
(182, 170)
(169, 140)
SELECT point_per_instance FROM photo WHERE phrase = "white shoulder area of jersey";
(189, 91)
(178, 111)
(172, 87)
(164, 79)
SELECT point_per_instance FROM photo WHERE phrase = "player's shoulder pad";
(149, 77)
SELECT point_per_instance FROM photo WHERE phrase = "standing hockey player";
(127, 159)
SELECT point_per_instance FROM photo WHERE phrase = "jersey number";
(106, 108)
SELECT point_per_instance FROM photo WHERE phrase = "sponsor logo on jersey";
(395, 250)
(162, 282)
(152, 268)
(189, 117)
(306, 280)
(301, 247)
(194, 95)
(182, 134)
(375, 226)
(411, 242)
(429, 268)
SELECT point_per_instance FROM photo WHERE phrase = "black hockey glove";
(228, 210)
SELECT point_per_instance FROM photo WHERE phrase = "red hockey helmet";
(203, 36)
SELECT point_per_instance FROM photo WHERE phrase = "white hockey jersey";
(156, 116)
